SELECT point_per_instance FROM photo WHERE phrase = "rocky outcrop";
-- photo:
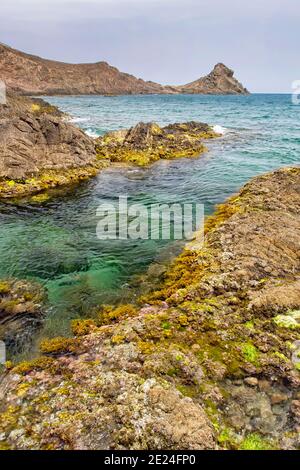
(32, 75)
(147, 143)
(21, 313)
(220, 81)
(39, 149)
(205, 362)
(34, 140)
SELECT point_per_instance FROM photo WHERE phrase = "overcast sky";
(167, 41)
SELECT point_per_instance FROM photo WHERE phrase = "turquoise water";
(56, 243)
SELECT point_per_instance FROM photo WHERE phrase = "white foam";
(92, 133)
(219, 129)
(79, 119)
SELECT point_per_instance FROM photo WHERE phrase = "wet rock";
(148, 142)
(21, 313)
(161, 375)
(38, 146)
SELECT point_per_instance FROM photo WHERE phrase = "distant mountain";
(31, 75)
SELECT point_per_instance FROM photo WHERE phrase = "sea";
(55, 243)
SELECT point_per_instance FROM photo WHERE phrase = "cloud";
(65, 10)
(170, 41)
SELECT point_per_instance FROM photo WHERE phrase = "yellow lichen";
(37, 185)
(59, 345)
(118, 339)
(111, 314)
(83, 327)
(4, 287)
(41, 363)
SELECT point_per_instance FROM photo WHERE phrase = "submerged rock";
(21, 313)
(147, 143)
(199, 364)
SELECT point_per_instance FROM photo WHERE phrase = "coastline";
(42, 149)
(218, 333)
(150, 231)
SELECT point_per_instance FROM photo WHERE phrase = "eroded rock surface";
(33, 140)
(40, 149)
(202, 363)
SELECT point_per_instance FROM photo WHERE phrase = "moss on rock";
(147, 143)
(204, 349)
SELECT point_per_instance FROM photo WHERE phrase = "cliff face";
(209, 361)
(32, 75)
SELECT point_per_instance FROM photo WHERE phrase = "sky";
(167, 41)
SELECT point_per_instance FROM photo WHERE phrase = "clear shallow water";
(56, 243)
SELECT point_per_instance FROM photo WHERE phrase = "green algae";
(250, 353)
(226, 340)
(254, 441)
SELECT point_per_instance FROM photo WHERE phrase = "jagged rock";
(148, 142)
(143, 136)
(33, 141)
(40, 149)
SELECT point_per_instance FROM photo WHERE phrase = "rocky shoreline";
(40, 150)
(209, 361)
